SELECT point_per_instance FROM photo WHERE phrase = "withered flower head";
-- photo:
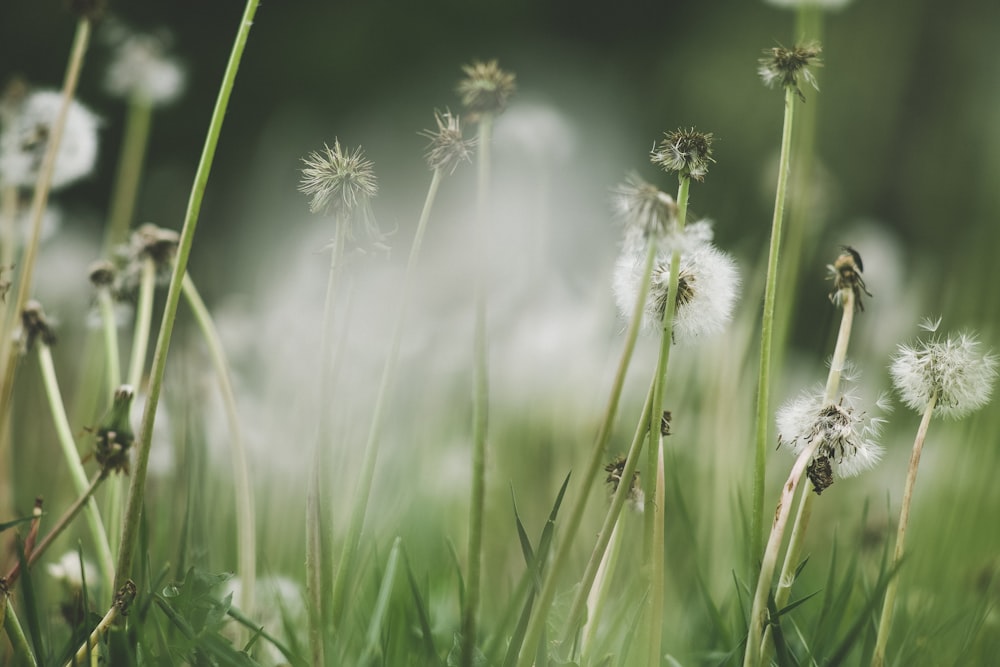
(147, 242)
(846, 275)
(114, 437)
(447, 148)
(645, 210)
(102, 273)
(486, 88)
(784, 66)
(338, 180)
(35, 326)
(614, 478)
(685, 151)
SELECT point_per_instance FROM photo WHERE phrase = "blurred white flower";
(27, 127)
(539, 131)
(71, 572)
(141, 68)
(952, 369)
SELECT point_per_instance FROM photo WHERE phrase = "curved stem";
(888, 607)
(766, 331)
(130, 528)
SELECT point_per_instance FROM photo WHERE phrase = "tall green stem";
(133, 151)
(80, 483)
(130, 528)
(888, 606)
(480, 408)
(109, 326)
(766, 330)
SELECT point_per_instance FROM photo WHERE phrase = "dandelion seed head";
(849, 436)
(338, 180)
(141, 67)
(28, 122)
(708, 283)
(486, 88)
(447, 148)
(785, 66)
(685, 151)
(645, 210)
(952, 368)
(71, 572)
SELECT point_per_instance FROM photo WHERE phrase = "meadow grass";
(284, 507)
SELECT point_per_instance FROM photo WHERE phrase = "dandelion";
(114, 437)
(342, 183)
(35, 326)
(846, 273)
(785, 66)
(645, 211)
(70, 571)
(687, 152)
(151, 242)
(141, 68)
(27, 126)
(952, 371)
(848, 436)
(636, 496)
(447, 148)
(706, 289)
(486, 88)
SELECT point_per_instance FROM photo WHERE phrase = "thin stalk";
(133, 151)
(86, 498)
(143, 322)
(123, 599)
(888, 607)
(65, 437)
(8, 357)
(314, 567)
(480, 408)
(109, 327)
(758, 612)
(374, 634)
(654, 563)
(15, 633)
(8, 245)
(598, 595)
(245, 523)
(767, 322)
(795, 541)
(130, 528)
(363, 493)
(561, 561)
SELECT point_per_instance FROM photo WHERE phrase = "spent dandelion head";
(951, 369)
(687, 152)
(646, 211)
(447, 148)
(28, 120)
(615, 470)
(707, 286)
(848, 436)
(151, 242)
(114, 436)
(35, 326)
(486, 88)
(846, 273)
(783, 66)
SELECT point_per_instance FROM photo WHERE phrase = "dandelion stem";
(15, 633)
(888, 607)
(109, 326)
(143, 321)
(480, 409)
(133, 151)
(598, 595)
(86, 498)
(245, 522)
(8, 356)
(540, 616)
(767, 322)
(123, 599)
(72, 457)
(770, 560)
(130, 527)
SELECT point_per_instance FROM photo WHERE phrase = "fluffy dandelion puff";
(142, 68)
(849, 435)
(27, 128)
(952, 368)
(706, 290)
(644, 210)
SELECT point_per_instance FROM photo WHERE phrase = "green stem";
(143, 322)
(18, 640)
(561, 562)
(130, 161)
(795, 541)
(767, 321)
(110, 327)
(374, 635)
(72, 457)
(245, 523)
(598, 595)
(480, 396)
(8, 356)
(758, 612)
(888, 607)
(363, 493)
(130, 528)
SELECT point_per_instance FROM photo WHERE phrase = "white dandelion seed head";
(706, 291)
(27, 129)
(643, 209)
(849, 435)
(142, 68)
(951, 368)
(71, 572)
